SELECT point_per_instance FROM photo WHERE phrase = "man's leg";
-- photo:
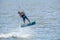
(24, 20)
(28, 19)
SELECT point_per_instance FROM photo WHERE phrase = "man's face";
(18, 12)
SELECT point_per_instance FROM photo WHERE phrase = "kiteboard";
(28, 24)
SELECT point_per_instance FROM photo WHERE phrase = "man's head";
(18, 12)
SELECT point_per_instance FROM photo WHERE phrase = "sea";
(46, 14)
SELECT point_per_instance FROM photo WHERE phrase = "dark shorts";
(24, 17)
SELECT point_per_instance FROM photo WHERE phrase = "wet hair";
(18, 12)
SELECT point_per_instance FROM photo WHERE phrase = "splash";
(14, 34)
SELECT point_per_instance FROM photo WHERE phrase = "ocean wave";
(14, 34)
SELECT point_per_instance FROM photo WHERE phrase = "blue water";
(46, 13)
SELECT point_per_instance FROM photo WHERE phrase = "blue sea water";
(46, 13)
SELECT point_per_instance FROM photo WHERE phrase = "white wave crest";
(14, 34)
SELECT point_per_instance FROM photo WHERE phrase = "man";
(22, 15)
